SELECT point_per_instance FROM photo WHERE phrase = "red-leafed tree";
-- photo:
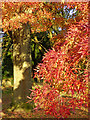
(64, 71)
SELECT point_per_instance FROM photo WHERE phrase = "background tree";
(21, 44)
(7, 65)
(24, 19)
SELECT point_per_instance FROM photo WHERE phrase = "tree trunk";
(22, 64)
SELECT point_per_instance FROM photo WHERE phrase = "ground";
(20, 113)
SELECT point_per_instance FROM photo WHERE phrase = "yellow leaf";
(40, 47)
(50, 35)
(36, 40)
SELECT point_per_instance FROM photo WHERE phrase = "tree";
(64, 71)
(7, 51)
(24, 18)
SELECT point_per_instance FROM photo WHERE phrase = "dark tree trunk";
(22, 63)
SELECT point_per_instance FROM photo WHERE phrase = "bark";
(22, 63)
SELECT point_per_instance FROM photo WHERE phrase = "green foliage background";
(38, 49)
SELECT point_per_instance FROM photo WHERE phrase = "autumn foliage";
(64, 71)
(39, 15)
(64, 67)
